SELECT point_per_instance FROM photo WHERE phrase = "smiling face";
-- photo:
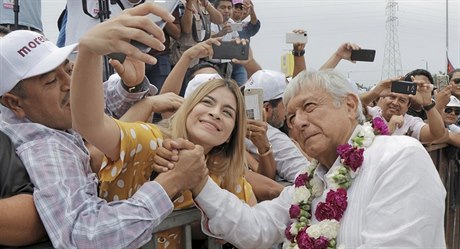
(394, 104)
(314, 118)
(210, 123)
(450, 115)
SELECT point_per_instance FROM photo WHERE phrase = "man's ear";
(267, 107)
(13, 103)
(352, 102)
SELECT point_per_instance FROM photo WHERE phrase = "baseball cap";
(237, 2)
(454, 102)
(199, 80)
(24, 54)
(272, 82)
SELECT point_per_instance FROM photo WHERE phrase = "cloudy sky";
(329, 23)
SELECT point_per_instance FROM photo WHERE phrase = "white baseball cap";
(454, 102)
(24, 54)
(199, 80)
(272, 82)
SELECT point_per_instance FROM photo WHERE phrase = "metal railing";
(446, 160)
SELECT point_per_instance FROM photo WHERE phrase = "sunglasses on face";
(450, 110)
(456, 81)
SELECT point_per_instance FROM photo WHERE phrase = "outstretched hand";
(115, 34)
(344, 51)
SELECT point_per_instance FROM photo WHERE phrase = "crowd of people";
(89, 161)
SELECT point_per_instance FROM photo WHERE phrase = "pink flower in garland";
(380, 127)
(325, 210)
(288, 234)
(301, 180)
(321, 243)
(339, 200)
(343, 149)
(354, 158)
(304, 241)
(294, 211)
(334, 207)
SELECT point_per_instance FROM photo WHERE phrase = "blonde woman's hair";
(228, 159)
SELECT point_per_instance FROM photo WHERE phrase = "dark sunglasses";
(450, 109)
(456, 81)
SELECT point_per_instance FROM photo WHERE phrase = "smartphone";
(168, 5)
(363, 55)
(236, 26)
(230, 50)
(253, 101)
(296, 38)
(440, 81)
(404, 87)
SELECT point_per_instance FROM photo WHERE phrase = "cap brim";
(52, 61)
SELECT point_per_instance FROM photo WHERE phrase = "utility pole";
(391, 58)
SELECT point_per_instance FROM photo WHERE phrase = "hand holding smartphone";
(296, 38)
(253, 101)
(404, 87)
(168, 5)
(230, 50)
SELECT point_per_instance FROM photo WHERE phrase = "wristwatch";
(429, 106)
(134, 89)
(298, 53)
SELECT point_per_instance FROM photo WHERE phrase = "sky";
(329, 23)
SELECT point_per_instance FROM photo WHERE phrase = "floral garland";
(300, 233)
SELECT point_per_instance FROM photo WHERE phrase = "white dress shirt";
(396, 201)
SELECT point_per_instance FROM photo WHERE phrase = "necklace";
(301, 233)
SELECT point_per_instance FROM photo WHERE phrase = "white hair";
(329, 80)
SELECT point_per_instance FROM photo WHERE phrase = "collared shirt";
(289, 160)
(397, 200)
(65, 191)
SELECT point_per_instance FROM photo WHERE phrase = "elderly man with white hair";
(363, 190)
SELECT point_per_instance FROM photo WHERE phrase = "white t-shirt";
(453, 128)
(78, 23)
(411, 125)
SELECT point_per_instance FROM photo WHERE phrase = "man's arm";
(20, 224)
(173, 82)
(229, 218)
(342, 53)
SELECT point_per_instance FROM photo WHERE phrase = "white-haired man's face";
(320, 124)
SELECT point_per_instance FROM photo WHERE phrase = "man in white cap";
(289, 160)
(451, 114)
(36, 116)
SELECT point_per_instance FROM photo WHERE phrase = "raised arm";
(87, 99)
(342, 53)
(298, 50)
(173, 82)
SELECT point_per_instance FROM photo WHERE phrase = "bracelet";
(298, 53)
(268, 151)
(190, 9)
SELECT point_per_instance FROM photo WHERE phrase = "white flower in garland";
(302, 194)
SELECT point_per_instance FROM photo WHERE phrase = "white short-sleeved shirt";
(411, 125)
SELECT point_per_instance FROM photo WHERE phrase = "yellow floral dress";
(119, 180)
